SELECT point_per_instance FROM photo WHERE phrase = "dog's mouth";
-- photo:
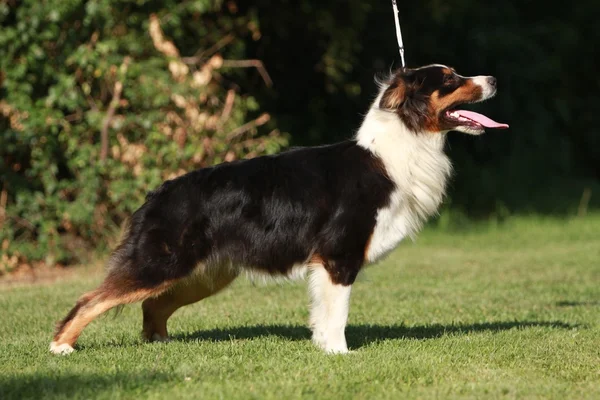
(472, 120)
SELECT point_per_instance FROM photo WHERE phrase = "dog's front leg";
(329, 311)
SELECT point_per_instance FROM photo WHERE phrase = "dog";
(323, 211)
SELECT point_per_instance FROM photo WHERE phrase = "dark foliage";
(323, 57)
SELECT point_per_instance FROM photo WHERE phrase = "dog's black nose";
(492, 81)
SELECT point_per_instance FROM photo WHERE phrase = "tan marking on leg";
(110, 294)
(367, 245)
(157, 310)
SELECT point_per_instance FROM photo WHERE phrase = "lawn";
(509, 311)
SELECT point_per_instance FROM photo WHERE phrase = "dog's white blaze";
(418, 167)
(329, 311)
(487, 90)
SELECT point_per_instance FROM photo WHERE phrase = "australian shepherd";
(323, 211)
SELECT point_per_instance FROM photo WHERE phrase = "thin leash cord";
(398, 32)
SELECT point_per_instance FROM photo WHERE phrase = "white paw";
(61, 349)
(158, 338)
(318, 338)
(330, 346)
(336, 349)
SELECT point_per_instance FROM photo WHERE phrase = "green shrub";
(103, 100)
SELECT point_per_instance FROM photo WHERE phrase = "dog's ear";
(403, 85)
(403, 96)
(394, 96)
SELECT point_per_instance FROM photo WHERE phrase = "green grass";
(510, 311)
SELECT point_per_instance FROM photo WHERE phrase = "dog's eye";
(449, 79)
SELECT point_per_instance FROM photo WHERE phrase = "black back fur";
(267, 213)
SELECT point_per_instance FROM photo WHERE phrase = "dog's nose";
(492, 81)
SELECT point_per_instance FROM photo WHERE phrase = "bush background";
(100, 101)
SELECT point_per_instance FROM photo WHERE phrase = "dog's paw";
(61, 349)
(318, 338)
(336, 350)
(158, 338)
(338, 347)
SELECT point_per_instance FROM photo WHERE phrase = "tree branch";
(202, 54)
(23, 223)
(263, 119)
(3, 201)
(178, 69)
(250, 64)
(112, 107)
(228, 106)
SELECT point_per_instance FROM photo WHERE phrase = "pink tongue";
(481, 119)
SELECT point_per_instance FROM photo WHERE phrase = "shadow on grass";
(577, 303)
(85, 385)
(38, 386)
(362, 335)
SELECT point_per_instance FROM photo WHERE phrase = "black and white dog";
(326, 210)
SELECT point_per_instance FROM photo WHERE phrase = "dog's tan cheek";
(436, 104)
(471, 91)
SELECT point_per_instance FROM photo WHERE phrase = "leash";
(398, 32)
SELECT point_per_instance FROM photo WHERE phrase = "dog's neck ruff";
(417, 165)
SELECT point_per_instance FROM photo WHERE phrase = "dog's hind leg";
(116, 290)
(157, 310)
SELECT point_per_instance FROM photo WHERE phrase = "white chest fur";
(419, 168)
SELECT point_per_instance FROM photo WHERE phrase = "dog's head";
(426, 98)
